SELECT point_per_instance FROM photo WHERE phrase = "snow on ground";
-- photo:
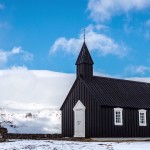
(70, 145)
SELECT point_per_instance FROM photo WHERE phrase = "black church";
(105, 107)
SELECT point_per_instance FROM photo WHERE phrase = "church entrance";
(79, 120)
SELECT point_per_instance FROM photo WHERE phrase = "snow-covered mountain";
(35, 119)
(28, 97)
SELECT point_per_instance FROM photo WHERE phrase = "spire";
(84, 56)
(84, 64)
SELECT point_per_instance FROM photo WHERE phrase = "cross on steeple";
(84, 34)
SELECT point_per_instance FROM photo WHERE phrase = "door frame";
(79, 107)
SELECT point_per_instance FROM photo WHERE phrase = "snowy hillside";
(30, 99)
(35, 119)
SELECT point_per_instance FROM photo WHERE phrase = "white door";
(79, 120)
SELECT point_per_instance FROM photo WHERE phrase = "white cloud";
(5, 55)
(95, 40)
(21, 85)
(101, 10)
(16, 50)
(144, 79)
(141, 70)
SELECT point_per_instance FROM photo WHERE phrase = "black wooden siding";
(80, 92)
(99, 121)
(130, 127)
(85, 71)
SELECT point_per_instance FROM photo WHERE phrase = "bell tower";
(84, 64)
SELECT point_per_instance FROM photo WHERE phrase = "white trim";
(121, 118)
(79, 119)
(79, 106)
(144, 112)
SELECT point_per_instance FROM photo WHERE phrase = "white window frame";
(144, 112)
(121, 117)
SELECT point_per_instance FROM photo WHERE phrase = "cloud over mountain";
(22, 85)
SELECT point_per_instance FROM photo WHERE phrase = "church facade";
(104, 107)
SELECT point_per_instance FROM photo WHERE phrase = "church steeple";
(85, 63)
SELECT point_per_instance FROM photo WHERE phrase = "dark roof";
(84, 56)
(120, 93)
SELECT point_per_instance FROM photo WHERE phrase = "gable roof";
(120, 93)
(84, 56)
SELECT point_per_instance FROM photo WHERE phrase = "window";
(118, 116)
(142, 117)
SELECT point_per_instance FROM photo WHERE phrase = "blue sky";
(47, 35)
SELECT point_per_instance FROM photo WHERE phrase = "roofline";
(124, 80)
(114, 106)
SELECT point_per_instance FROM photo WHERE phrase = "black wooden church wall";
(80, 92)
(99, 120)
(130, 127)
